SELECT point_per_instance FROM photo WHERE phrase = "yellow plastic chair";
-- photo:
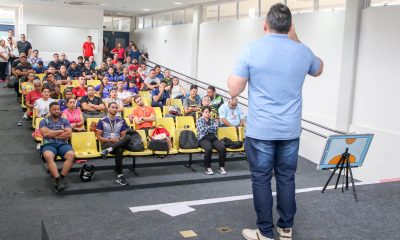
(229, 132)
(37, 124)
(182, 121)
(75, 83)
(23, 106)
(127, 111)
(128, 122)
(158, 112)
(33, 119)
(146, 151)
(20, 86)
(185, 151)
(146, 101)
(167, 123)
(242, 134)
(144, 94)
(166, 110)
(93, 82)
(89, 122)
(177, 102)
(174, 149)
(84, 145)
(40, 76)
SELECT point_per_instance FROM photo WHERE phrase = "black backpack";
(231, 144)
(136, 144)
(188, 140)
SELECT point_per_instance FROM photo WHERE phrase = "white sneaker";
(284, 233)
(222, 171)
(254, 234)
(209, 171)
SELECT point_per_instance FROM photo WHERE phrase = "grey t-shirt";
(152, 80)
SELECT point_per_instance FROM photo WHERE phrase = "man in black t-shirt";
(52, 85)
(21, 71)
(24, 46)
(64, 61)
(80, 63)
(73, 71)
(56, 63)
(102, 70)
(87, 72)
(92, 106)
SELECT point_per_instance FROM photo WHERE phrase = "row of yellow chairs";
(85, 143)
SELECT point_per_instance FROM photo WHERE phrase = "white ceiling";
(122, 7)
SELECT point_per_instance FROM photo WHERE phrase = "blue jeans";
(280, 156)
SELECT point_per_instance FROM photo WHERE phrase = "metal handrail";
(241, 103)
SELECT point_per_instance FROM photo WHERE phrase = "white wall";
(377, 98)
(170, 46)
(69, 17)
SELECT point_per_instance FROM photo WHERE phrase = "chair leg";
(190, 165)
(133, 167)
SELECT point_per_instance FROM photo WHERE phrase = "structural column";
(197, 14)
(349, 63)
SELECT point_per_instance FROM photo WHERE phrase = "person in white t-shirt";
(4, 55)
(124, 95)
(41, 106)
(113, 98)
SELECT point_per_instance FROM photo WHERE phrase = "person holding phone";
(88, 48)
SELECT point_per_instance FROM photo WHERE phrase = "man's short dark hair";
(35, 50)
(136, 97)
(279, 18)
(205, 107)
(193, 87)
(164, 82)
(80, 57)
(53, 104)
(89, 36)
(151, 70)
(157, 66)
(55, 54)
(40, 62)
(212, 88)
(111, 103)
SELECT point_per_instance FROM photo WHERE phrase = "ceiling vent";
(78, 3)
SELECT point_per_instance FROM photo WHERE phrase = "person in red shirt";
(88, 48)
(115, 60)
(120, 51)
(80, 90)
(134, 66)
(32, 96)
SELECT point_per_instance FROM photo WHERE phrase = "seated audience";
(160, 96)
(111, 132)
(64, 61)
(92, 106)
(206, 101)
(144, 116)
(80, 64)
(151, 82)
(21, 71)
(168, 79)
(112, 77)
(216, 100)
(34, 59)
(125, 75)
(80, 90)
(87, 72)
(135, 53)
(231, 115)
(177, 91)
(137, 79)
(115, 59)
(143, 70)
(131, 88)
(56, 63)
(67, 95)
(56, 132)
(74, 115)
(128, 62)
(119, 51)
(73, 71)
(41, 106)
(124, 95)
(52, 85)
(191, 104)
(32, 96)
(62, 75)
(92, 63)
(39, 68)
(109, 63)
(102, 70)
(134, 66)
(207, 134)
(103, 89)
(118, 69)
(52, 70)
(27, 86)
(159, 74)
(114, 98)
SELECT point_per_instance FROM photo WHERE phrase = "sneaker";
(104, 154)
(284, 233)
(60, 185)
(222, 171)
(209, 171)
(254, 234)
(122, 180)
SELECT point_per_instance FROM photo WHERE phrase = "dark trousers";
(3, 68)
(280, 156)
(118, 151)
(209, 142)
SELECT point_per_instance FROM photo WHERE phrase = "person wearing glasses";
(231, 115)
(144, 116)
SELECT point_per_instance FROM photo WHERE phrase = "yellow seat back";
(177, 135)
(167, 123)
(84, 142)
(89, 122)
(142, 134)
(182, 121)
(166, 110)
(94, 83)
(128, 122)
(75, 83)
(228, 132)
(177, 102)
(144, 94)
(242, 134)
(158, 112)
(128, 111)
(37, 122)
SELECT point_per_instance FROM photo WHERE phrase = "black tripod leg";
(352, 184)
(340, 171)
(330, 177)
(347, 173)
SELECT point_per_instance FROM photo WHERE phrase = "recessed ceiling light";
(177, 3)
(146, 9)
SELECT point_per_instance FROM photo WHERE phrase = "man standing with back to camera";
(275, 67)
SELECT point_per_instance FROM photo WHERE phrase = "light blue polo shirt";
(275, 67)
(233, 116)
